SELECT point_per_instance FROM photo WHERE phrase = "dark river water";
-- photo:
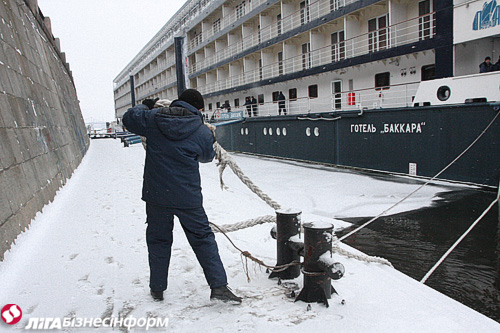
(414, 241)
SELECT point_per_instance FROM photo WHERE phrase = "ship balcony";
(224, 22)
(403, 33)
(407, 32)
(155, 72)
(148, 91)
(121, 93)
(370, 98)
(300, 17)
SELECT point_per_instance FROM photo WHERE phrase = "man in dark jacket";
(177, 141)
(248, 105)
(281, 103)
(255, 109)
(486, 66)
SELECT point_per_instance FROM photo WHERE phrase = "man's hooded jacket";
(177, 142)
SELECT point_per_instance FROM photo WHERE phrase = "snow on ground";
(85, 255)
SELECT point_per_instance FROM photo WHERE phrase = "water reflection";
(414, 242)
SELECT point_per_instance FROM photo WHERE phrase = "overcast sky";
(100, 37)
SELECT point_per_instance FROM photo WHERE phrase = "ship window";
(304, 12)
(334, 5)
(218, 105)
(443, 93)
(338, 45)
(278, 21)
(240, 10)
(425, 28)
(276, 94)
(280, 63)
(210, 106)
(261, 99)
(292, 94)
(313, 91)
(260, 69)
(377, 36)
(216, 26)
(382, 80)
(428, 72)
(236, 102)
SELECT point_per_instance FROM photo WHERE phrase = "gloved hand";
(211, 128)
(150, 103)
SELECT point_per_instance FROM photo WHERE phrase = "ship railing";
(400, 95)
(225, 21)
(406, 32)
(392, 36)
(313, 11)
(145, 92)
(395, 35)
(401, 33)
(160, 68)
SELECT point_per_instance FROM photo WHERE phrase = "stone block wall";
(42, 132)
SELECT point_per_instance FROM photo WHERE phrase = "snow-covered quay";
(85, 255)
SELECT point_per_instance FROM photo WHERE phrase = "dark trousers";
(282, 107)
(201, 238)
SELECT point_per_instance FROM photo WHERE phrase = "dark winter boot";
(224, 294)
(157, 295)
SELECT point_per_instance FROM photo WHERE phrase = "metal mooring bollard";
(287, 226)
(319, 267)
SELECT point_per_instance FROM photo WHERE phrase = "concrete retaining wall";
(42, 132)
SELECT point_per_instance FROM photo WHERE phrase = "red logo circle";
(11, 314)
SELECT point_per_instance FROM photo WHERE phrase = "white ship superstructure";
(324, 55)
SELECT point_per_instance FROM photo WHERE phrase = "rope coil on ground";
(248, 255)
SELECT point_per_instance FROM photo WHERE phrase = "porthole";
(246, 131)
(265, 131)
(270, 131)
(284, 131)
(242, 131)
(443, 93)
(278, 131)
(316, 131)
(308, 131)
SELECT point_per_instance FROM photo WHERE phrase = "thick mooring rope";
(244, 224)
(361, 257)
(226, 160)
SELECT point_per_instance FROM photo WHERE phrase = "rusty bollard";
(287, 227)
(319, 267)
